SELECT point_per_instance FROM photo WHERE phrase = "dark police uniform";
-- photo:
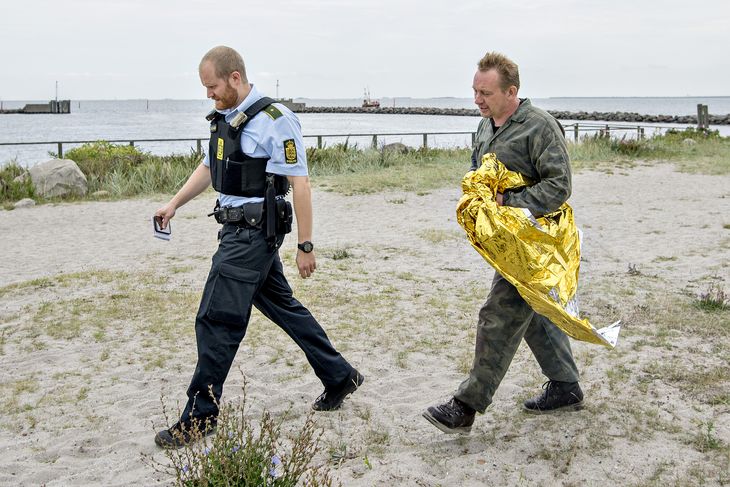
(246, 268)
(532, 143)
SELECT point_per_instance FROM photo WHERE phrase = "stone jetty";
(560, 115)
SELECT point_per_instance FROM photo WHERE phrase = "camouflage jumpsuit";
(532, 143)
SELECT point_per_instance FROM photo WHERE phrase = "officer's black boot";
(556, 396)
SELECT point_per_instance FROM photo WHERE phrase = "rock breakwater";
(560, 115)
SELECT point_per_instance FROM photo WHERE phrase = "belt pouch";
(253, 214)
(283, 216)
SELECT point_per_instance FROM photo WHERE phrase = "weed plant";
(242, 454)
(12, 190)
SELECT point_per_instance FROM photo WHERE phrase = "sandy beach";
(97, 317)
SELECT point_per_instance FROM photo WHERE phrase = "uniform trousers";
(503, 321)
(247, 271)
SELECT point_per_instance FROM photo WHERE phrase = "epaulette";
(272, 111)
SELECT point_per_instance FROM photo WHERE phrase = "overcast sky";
(123, 49)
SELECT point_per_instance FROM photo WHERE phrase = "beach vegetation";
(124, 171)
(266, 454)
(15, 183)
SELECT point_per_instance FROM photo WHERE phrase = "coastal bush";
(12, 190)
(238, 454)
(97, 159)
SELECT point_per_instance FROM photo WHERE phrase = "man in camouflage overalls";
(529, 141)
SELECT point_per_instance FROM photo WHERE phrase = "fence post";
(60, 150)
(425, 141)
(575, 131)
(641, 132)
(608, 131)
(375, 141)
(319, 142)
(703, 117)
(198, 144)
(131, 143)
(473, 138)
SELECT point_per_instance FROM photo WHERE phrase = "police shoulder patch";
(272, 111)
(290, 151)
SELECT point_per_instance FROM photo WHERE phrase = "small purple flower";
(235, 449)
(275, 460)
(206, 451)
(274, 470)
(185, 469)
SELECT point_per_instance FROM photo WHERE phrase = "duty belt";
(249, 214)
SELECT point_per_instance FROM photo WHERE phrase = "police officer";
(256, 151)
(529, 141)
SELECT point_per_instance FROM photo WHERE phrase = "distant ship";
(368, 103)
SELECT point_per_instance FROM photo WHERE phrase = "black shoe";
(556, 396)
(181, 434)
(332, 398)
(451, 417)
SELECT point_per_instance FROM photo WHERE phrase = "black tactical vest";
(233, 172)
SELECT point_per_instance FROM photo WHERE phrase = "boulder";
(24, 203)
(58, 177)
(22, 178)
(396, 147)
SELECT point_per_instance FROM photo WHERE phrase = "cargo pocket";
(232, 294)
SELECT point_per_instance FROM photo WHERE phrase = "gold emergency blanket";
(539, 256)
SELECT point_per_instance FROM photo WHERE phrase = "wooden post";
(60, 150)
(425, 141)
(703, 117)
(473, 138)
(375, 141)
(575, 131)
(319, 142)
(131, 143)
(608, 131)
(199, 146)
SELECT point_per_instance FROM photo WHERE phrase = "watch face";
(306, 247)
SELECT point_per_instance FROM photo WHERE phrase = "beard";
(228, 98)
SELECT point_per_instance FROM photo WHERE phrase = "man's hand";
(165, 214)
(500, 199)
(306, 263)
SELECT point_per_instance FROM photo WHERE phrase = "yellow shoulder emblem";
(290, 151)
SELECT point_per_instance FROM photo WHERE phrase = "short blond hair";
(225, 60)
(509, 73)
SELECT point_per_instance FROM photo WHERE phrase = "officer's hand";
(306, 263)
(165, 214)
(500, 199)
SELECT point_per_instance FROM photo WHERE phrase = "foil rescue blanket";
(539, 256)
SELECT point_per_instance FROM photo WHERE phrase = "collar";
(521, 112)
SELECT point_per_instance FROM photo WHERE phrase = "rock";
(22, 178)
(689, 142)
(100, 194)
(24, 203)
(58, 177)
(396, 147)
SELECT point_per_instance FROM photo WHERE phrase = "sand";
(402, 308)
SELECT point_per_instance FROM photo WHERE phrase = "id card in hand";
(158, 232)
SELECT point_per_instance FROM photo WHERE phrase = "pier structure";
(53, 106)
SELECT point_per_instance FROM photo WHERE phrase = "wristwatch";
(306, 247)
